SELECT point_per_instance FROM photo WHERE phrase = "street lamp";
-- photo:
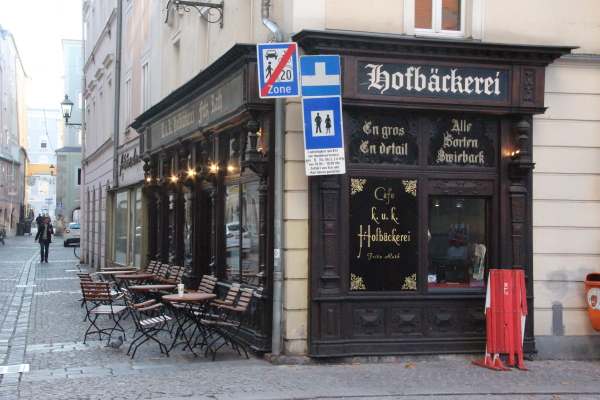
(51, 170)
(66, 107)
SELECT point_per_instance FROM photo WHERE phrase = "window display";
(457, 242)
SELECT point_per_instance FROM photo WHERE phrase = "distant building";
(44, 138)
(13, 156)
(68, 158)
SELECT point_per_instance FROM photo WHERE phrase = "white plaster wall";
(544, 22)
(566, 207)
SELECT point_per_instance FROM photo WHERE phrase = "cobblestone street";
(43, 326)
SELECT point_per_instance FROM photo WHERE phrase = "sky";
(38, 26)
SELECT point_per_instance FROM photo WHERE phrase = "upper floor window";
(145, 87)
(444, 18)
(127, 109)
(43, 143)
(438, 16)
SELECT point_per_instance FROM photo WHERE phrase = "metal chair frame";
(147, 327)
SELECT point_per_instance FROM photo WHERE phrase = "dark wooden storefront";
(438, 191)
(206, 152)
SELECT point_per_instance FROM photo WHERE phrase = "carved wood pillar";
(330, 193)
(519, 170)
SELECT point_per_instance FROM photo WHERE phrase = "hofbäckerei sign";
(432, 81)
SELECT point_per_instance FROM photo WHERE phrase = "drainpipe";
(83, 205)
(276, 343)
(117, 94)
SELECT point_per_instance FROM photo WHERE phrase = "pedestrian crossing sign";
(278, 70)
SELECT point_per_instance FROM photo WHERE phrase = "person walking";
(39, 220)
(44, 235)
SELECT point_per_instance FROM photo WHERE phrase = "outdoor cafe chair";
(226, 325)
(149, 319)
(214, 310)
(99, 301)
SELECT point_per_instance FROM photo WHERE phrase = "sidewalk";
(43, 326)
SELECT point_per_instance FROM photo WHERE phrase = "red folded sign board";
(506, 308)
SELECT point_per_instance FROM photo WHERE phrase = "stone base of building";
(568, 347)
(305, 360)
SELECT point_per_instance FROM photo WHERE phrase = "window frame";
(472, 21)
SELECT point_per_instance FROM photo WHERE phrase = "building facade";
(465, 138)
(13, 112)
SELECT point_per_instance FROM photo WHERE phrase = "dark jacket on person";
(41, 230)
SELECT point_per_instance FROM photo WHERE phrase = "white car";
(233, 236)
(71, 234)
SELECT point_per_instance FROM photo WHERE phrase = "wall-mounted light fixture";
(51, 170)
(66, 107)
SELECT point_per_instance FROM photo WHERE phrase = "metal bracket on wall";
(210, 12)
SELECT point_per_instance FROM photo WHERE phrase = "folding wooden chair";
(213, 310)
(147, 326)
(226, 325)
(99, 301)
(152, 267)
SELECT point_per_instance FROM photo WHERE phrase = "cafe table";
(106, 269)
(185, 314)
(128, 277)
(112, 274)
(140, 290)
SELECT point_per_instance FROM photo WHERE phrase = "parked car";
(71, 234)
(232, 233)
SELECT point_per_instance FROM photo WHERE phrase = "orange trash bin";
(592, 294)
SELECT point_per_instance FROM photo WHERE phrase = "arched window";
(43, 160)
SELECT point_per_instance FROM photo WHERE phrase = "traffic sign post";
(323, 136)
(320, 76)
(277, 70)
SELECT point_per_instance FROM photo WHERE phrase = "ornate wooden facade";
(449, 120)
(199, 145)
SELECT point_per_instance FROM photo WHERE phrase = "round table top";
(107, 269)
(189, 297)
(145, 288)
(136, 276)
(103, 273)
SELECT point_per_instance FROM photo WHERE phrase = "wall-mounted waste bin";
(592, 294)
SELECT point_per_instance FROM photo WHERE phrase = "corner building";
(445, 129)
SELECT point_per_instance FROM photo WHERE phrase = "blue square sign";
(320, 76)
(323, 135)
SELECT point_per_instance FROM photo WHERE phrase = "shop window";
(241, 232)
(187, 224)
(121, 219)
(458, 244)
(383, 234)
(136, 232)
